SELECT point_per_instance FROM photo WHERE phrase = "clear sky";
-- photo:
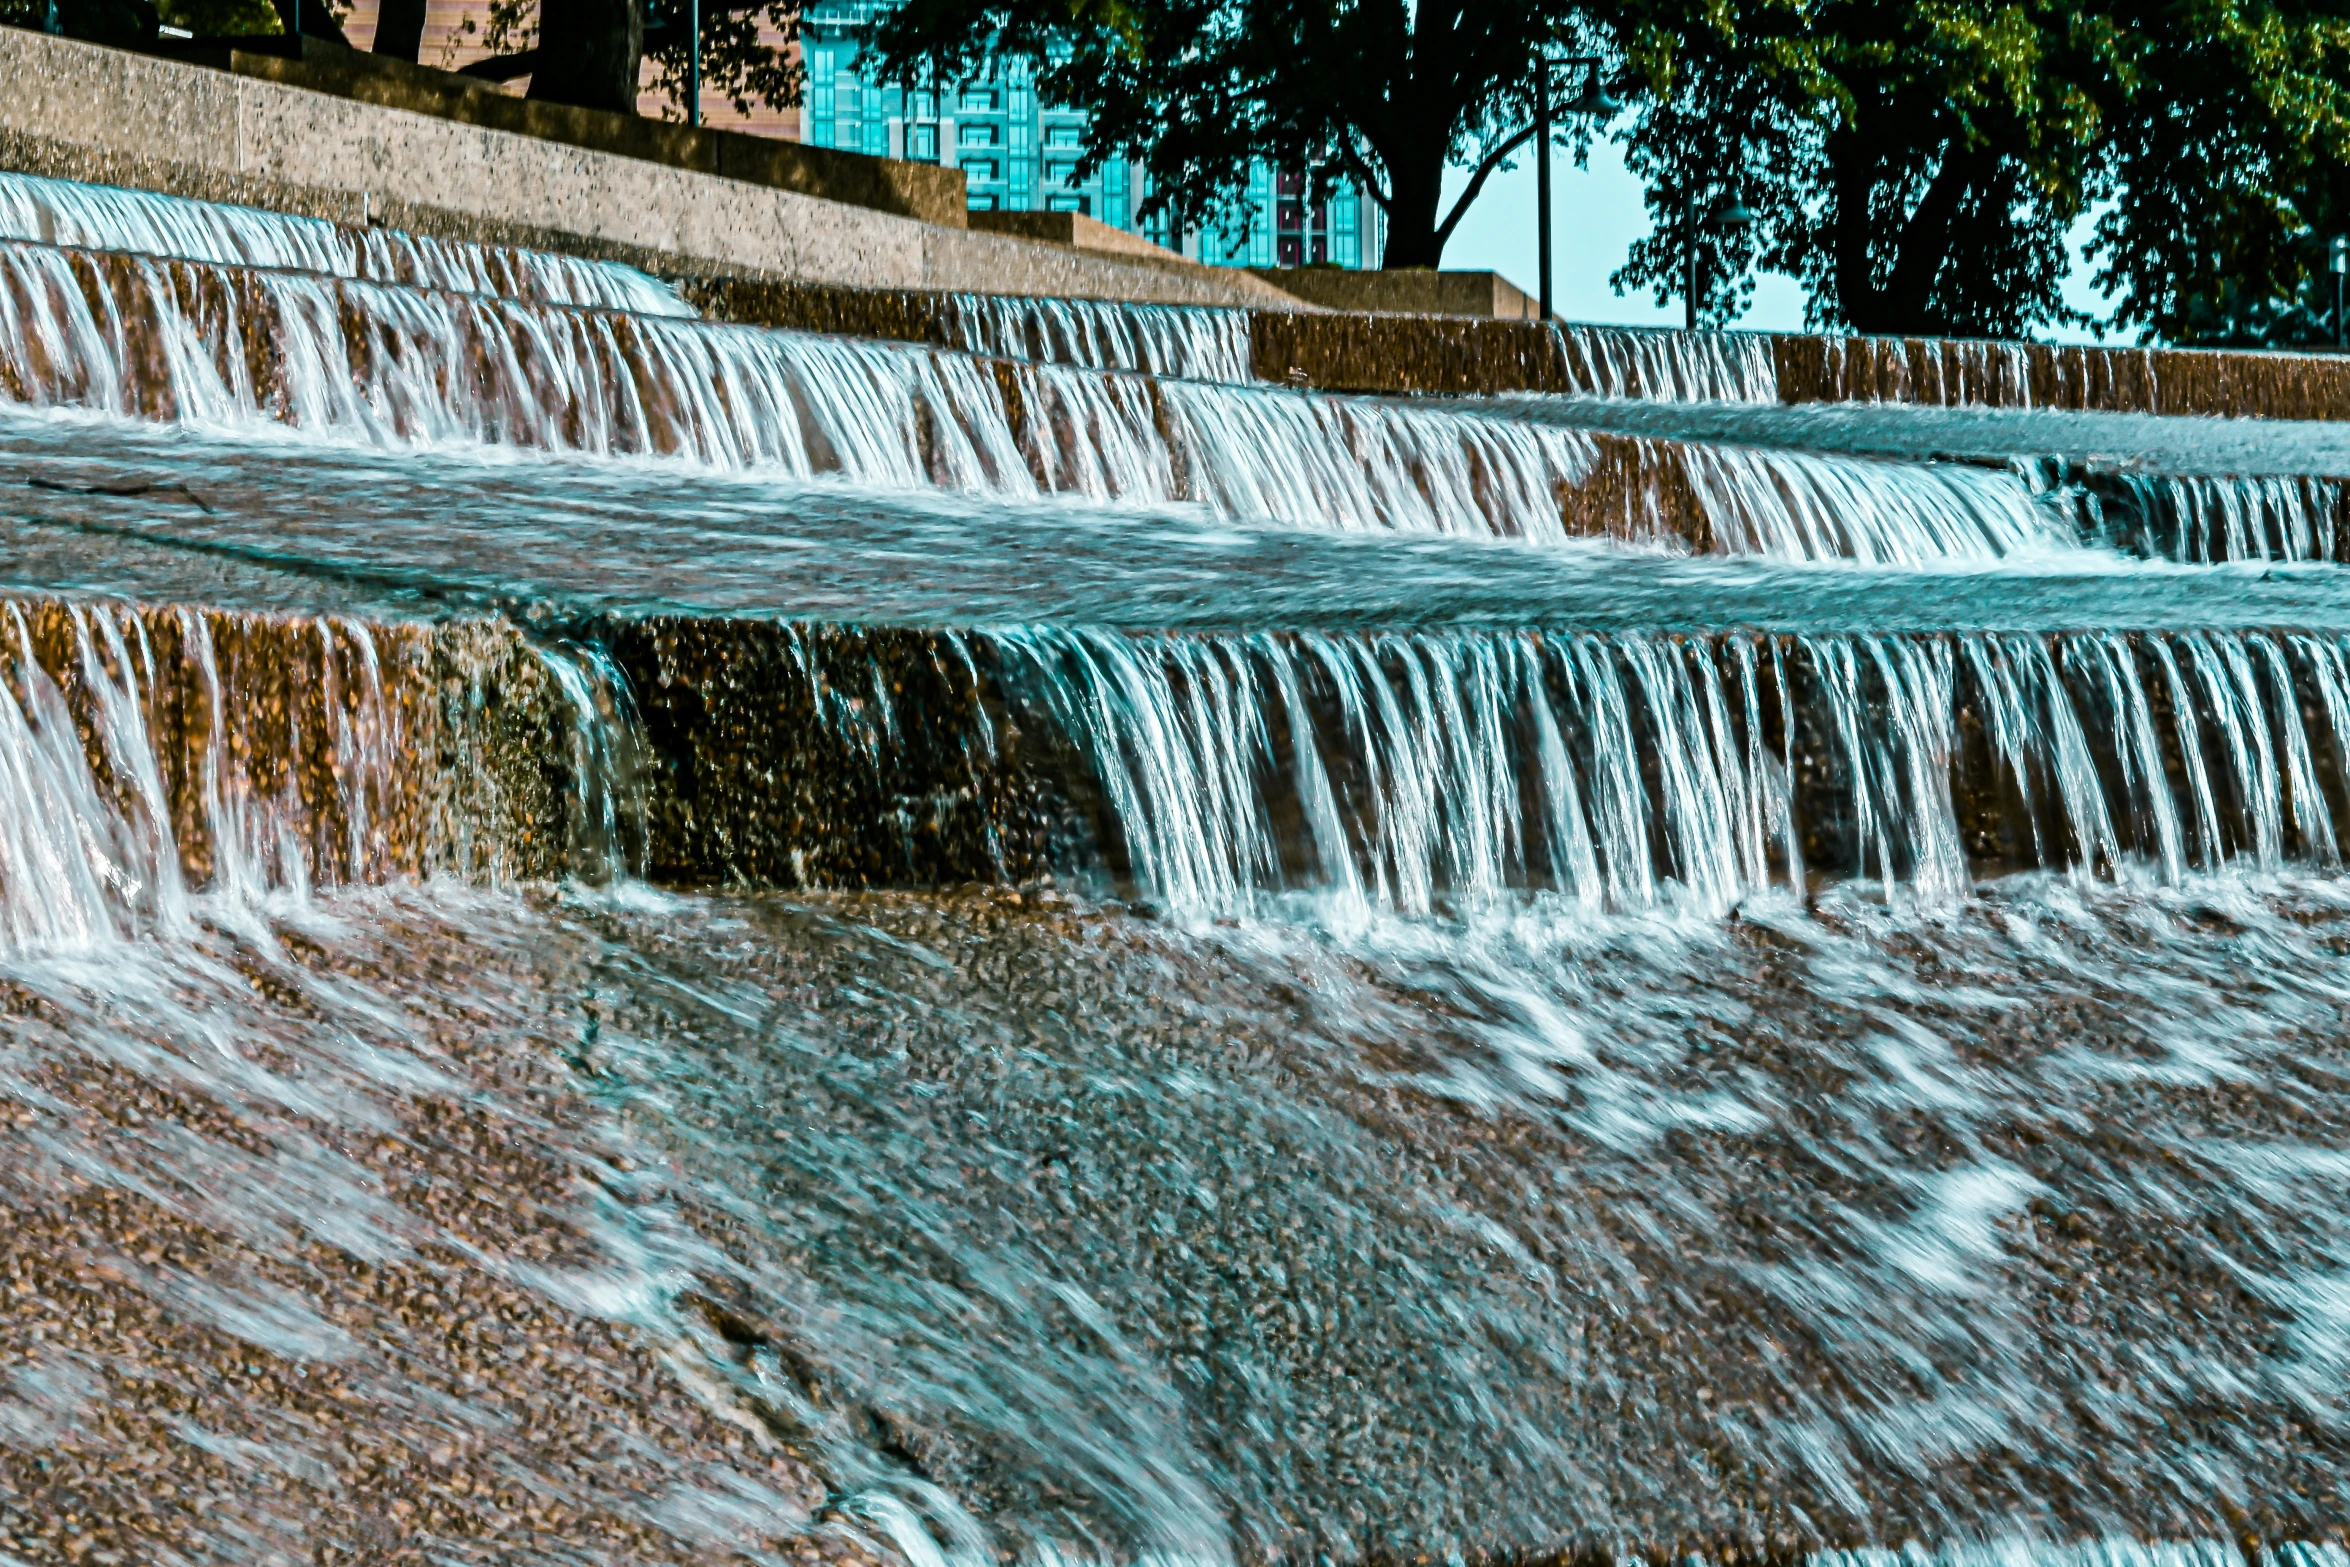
(1596, 213)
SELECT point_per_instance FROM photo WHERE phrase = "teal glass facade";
(1019, 154)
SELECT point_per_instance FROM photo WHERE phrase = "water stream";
(632, 940)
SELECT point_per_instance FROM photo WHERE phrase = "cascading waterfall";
(354, 360)
(1947, 372)
(2206, 520)
(1191, 343)
(2197, 519)
(215, 346)
(1675, 367)
(150, 754)
(1404, 771)
(1358, 465)
(97, 217)
(1601, 1093)
(1803, 507)
(92, 847)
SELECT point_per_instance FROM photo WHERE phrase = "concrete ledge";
(78, 111)
(915, 190)
(1412, 291)
(1073, 229)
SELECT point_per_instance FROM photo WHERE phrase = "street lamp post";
(1542, 174)
(1592, 101)
(2338, 263)
(1733, 219)
(693, 62)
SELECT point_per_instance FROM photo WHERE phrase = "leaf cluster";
(1383, 92)
(1920, 165)
(737, 64)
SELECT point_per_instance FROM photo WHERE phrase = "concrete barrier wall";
(914, 190)
(78, 111)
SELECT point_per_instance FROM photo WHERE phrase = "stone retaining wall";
(81, 112)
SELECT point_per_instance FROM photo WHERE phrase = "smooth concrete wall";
(1409, 291)
(913, 190)
(79, 111)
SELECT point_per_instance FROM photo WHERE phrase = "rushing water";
(1563, 977)
(1172, 340)
(94, 217)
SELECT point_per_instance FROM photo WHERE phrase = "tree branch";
(1493, 160)
(1352, 159)
(502, 67)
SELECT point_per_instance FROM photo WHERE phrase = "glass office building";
(1019, 154)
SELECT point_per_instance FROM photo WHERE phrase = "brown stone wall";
(782, 755)
(385, 749)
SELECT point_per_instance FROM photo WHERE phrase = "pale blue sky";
(1596, 214)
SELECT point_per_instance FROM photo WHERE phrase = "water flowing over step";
(1663, 366)
(1192, 343)
(151, 753)
(99, 217)
(1388, 354)
(345, 359)
(2198, 519)
(1401, 772)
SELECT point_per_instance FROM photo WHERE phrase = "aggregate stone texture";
(785, 755)
(337, 1284)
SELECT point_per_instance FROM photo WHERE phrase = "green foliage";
(1915, 164)
(735, 64)
(510, 27)
(2231, 173)
(227, 18)
(1382, 91)
(1918, 164)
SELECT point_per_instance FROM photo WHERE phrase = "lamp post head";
(1734, 219)
(2338, 254)
(1593, 100)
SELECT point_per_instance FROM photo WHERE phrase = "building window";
(1060, 173)
(976, 133)
(979, 100)
(984, 203)
(981, 169)
(1069, 204)
(1063, 135)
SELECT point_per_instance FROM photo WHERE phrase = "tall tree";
(1918, 164)
(1915, 163)
(2231, 174)
(399, 29)
(1388, 93)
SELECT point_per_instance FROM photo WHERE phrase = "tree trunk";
(589, 53)
(1852, 164)
(399, 29)
(1904, 304)
(1415, 183)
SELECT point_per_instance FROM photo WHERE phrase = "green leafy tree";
(2231, 174)
(1918, 164)
(1385, 92)
(738, 66)
(1914, 163)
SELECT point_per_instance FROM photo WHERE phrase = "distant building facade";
(1020, 154)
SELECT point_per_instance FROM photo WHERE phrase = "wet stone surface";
(1040, 1222)
(310, 1255)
